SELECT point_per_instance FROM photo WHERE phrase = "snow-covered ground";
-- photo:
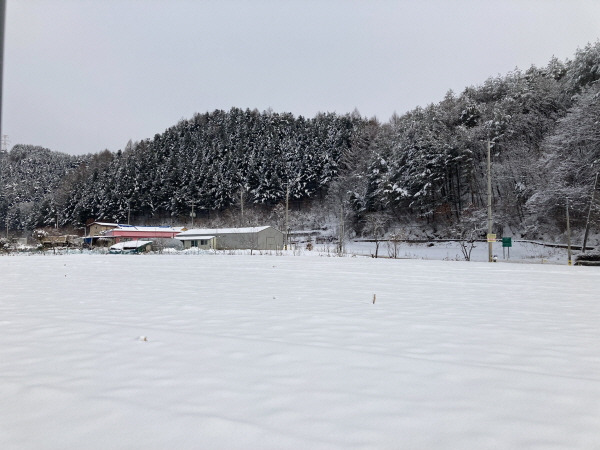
(522, 252)
(274, 352)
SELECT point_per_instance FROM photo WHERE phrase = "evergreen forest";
(424, 169)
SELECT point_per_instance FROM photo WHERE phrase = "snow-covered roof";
(149, 229)
(193, 238)
(219, 231)
(129, 245)
(107, 224)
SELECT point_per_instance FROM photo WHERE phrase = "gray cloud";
(83, 75)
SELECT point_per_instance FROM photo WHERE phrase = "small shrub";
(592, 256)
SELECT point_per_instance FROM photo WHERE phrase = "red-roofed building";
(130, 233)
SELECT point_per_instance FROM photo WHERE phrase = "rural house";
(99, 228)
(255, 238)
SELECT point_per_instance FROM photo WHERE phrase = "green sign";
(506, 242)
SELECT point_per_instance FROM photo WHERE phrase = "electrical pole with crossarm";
(490, 237)
(2, 19)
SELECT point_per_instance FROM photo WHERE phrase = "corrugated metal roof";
(106, 224)
(218, 231)
(193, 238)
(129, 244)
(163, 229)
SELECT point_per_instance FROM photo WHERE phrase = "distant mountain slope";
(426, 165)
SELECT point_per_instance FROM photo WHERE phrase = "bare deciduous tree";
(468, 230)
(375, 226)
(393, 243)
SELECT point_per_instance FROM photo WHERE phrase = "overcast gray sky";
(81, 76)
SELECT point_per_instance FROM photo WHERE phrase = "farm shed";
(131, 232)
(65, 240)
(131, 247)
(99, 228)
(198, 241)
(256, 238)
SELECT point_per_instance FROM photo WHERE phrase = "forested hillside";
(425, 167)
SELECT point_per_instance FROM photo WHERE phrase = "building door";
(271, 243)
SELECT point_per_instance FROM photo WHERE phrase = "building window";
(194, 244)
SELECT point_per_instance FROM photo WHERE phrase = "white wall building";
(256, 238)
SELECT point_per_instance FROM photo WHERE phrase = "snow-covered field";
(283, 352)
(520, 252)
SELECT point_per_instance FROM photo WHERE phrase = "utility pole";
(568, 235)
(128, 211)
(287, 205)
(192, 215)
(2, 20)
(341, 230)
(489, 202)
(242, 206)
(587, 223)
